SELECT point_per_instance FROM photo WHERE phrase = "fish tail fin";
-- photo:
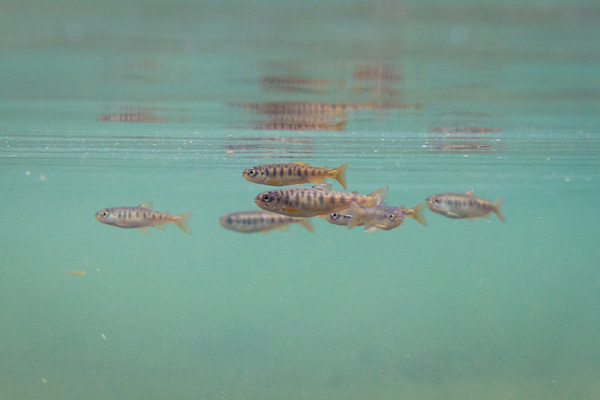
(340, 175)
(417, 214)
(497, 206)
(305, 222)
(340, 126)
(181, 222)
(380, 194)
(355, 215)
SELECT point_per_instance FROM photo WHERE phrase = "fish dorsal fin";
(380, 194)
(146, 204)
(323, 186)
(469, 193)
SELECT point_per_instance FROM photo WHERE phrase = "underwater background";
(115, 103)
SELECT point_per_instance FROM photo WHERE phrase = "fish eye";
(436, 201)
(266, 198)
(105, 214)
(229, 221)
(391, 217)
(334, 215)
(251, 172)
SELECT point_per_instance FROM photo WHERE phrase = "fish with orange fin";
(141, 217)
(342, 218)
(260, 221)
(293, 173)
(382, 217)
(463, 205)
(318, 200)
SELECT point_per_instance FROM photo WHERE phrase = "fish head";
(254, 174)
(436, 204)
(106, 216)
(227, 221)
(392, 218)
(337, 218)
(271, 200)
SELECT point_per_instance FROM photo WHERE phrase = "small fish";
(260, 221)
(141, 217)
(318, 200)
(463, 205)
(382, 217)
(416, 213)
(293, 173)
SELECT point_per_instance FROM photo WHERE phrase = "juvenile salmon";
(141, 217)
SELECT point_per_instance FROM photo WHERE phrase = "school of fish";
(293, 205)
(280, 208)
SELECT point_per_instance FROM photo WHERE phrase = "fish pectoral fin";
(452, 215)
(272, 182)
(290, 210)
(322, 215)
(146, 204)
(370, 230)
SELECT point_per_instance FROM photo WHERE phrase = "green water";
(502, 99)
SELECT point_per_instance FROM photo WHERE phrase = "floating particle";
(74, 273)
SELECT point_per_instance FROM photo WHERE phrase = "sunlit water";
(113, 104)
